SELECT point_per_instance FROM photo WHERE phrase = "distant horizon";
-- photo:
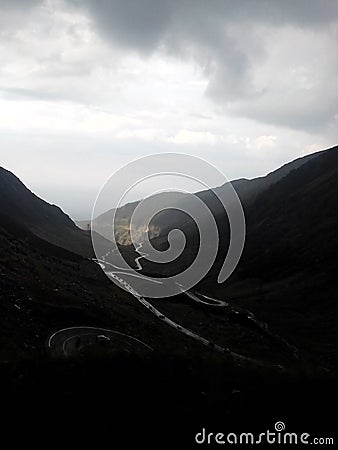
(87, 217)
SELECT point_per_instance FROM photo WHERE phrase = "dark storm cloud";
(220, 36)
(136, 24)
(229, 40)
(143, 24)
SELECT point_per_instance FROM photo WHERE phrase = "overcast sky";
(88, 85)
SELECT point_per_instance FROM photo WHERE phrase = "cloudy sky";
(88, 85)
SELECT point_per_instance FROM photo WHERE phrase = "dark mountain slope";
(287, 273)
(46, 221)
(292, 209)
(295, 221)
(44, 287)
(246, 189)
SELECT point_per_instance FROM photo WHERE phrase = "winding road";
(244, 317)
(66, 341)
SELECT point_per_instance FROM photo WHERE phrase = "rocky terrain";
(281, 312)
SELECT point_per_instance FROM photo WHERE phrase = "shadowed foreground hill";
(286, 278)
(181, 388)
